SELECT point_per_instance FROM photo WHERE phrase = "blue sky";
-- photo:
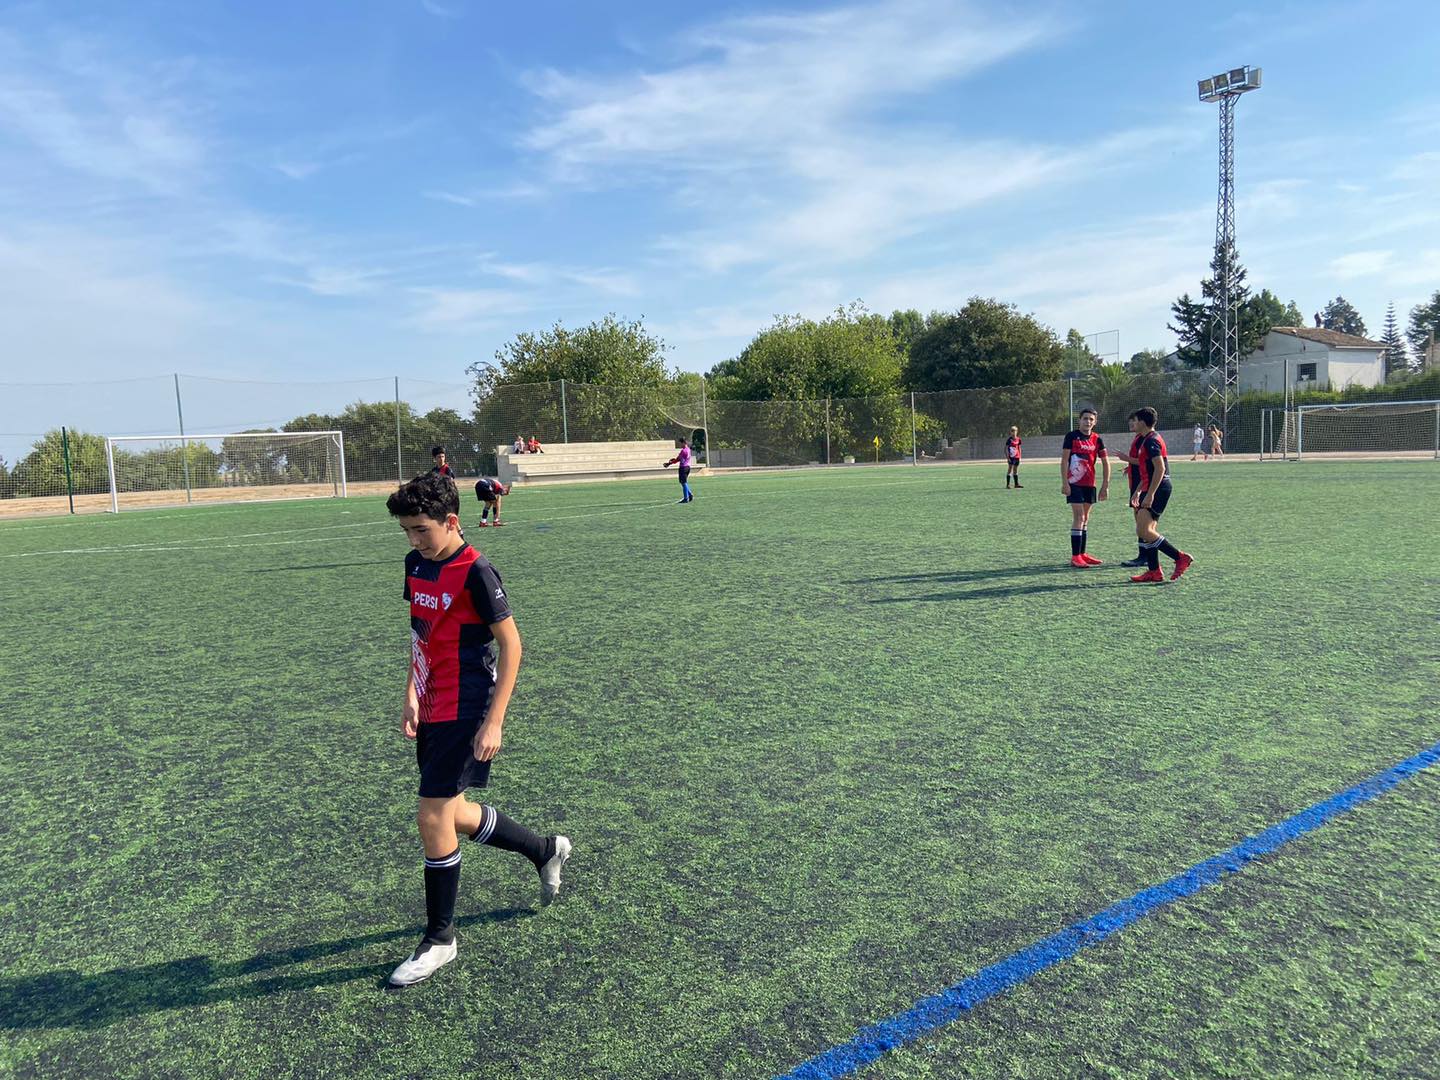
(346, 190)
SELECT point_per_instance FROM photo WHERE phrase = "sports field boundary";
(937, 1011)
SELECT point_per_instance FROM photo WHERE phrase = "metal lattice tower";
(1222, 382)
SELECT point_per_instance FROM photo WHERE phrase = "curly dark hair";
(428, 495)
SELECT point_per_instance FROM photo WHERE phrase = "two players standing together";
(1147, 464)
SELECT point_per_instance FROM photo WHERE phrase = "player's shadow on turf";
(73, 999)
(997, 592)
(959, 576)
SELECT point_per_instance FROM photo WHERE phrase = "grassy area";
(826, 742)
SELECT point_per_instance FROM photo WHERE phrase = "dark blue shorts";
(445, 753)
(1081, 493)
(1162, 497)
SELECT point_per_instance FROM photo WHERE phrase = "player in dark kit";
(1081, 451)
(455, 701)
(490, 491)
(1151, 497)
(441, 465)
(1012, 457)
(1132, 475)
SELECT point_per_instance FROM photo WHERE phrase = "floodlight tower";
(1223, 372)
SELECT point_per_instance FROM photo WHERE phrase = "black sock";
(442, 885)
(499, 831)
(1075, 542)
(1170, 550)
(1140, 552)
(1084, 540)
(1152, 557)
(1007, 479)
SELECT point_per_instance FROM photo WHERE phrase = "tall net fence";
(391, 425)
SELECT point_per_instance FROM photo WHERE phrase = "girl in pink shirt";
(683, 459)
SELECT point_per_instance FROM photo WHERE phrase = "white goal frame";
(337, 437)
(1301, 411)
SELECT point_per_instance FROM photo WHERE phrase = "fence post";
(1437, 431)
(399, 457)
(914, 447)
(704, 421)
(110, 468)
(1070, 389)
(827, 430)
(565, 418)
(69, 477)
(184, 450)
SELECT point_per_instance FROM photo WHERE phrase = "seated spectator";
(519, 447)
(533, 446)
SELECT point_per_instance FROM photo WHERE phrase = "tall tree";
(1194, 319)
(1078, 354)
(1341, 315)
(1397, 358)
(985, 343)
(1424, 328)
(905, 327)
(1265, 311)
(1149, 362)
(609, 352)
(852, 353)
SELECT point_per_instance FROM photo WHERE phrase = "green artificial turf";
(826, 742)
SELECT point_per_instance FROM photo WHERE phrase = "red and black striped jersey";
(1012, 448)
(488, 489)
(1081, 453)
(453, 604)
(1151, 448)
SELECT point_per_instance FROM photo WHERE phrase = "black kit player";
(1082, 450)
(1012, 457)
(455, 702)
(1150, 499)
(490, 492)
(1132, 475)
(442, 467)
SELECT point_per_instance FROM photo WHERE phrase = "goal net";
(167, 469)
(1380, 429)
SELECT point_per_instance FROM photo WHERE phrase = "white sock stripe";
(487, 824)
(441, 864)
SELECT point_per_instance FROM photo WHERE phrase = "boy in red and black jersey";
(455, 702)
(1150, 498)
(1081, 452)
(490, 492)
(441, 466)
(1012, 457)
(1132, 476)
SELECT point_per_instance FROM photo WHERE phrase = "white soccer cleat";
(550, 872)
(424, 962)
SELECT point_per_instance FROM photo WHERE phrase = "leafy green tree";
(1264, 312)
(1194, 319)
(608, 353)
(1424, 328)
(852, 353)
(42, 471)
(985, 343)
(1102, 387)
(1150, 362)
(1340, 315)
(1078, 354)
(1397, 358)
(905, 327)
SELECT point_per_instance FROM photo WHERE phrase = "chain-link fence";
(391, 425)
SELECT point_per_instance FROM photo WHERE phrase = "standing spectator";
(1217, 441)
(1197, 443)
(683, 459)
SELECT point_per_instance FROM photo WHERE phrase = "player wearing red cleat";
(1012, 457)
(1151, 497)
(1082, 448)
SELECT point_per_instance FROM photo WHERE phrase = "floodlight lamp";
(1206, 86)
(1237, 76)
(1252, 78)
(1222, 81)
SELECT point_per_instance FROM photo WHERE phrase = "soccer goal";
(154, 470)
(1368, 429)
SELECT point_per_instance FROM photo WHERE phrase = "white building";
(1312, 359)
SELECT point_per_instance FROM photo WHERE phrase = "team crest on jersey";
(446, 599)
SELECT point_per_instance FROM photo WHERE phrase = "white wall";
(1267, 368)
(1356, 367)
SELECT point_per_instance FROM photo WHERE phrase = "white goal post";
(236, 466)
(1378, 429)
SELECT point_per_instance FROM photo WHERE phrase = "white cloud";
(442, 310)
(1360, 264)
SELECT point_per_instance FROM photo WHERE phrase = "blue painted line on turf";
(943, 1008)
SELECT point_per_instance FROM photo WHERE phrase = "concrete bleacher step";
(588, 461)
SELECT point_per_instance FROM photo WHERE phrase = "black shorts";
(1081, 493)
(684, 473)
(1162, 496)
(445, 753)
